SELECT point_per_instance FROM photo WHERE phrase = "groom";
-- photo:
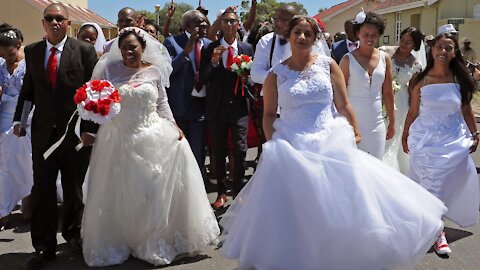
(56, 67)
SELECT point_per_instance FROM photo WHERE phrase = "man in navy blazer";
(340, 48)
(186, 94)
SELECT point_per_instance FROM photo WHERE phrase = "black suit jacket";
(220, 82)
(54, 107)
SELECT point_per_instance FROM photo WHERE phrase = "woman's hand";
(405, 144)
(390, 131)
(474, 146)
(358, 138)
(180, 132)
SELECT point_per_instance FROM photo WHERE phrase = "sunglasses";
(59, 19)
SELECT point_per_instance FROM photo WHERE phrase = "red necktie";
(230, 58)
(52, 67)
(198, 85)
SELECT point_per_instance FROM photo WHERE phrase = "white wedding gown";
(394, 155)
(146, 195)
(315, 198)
(365, 94)
(439, 142)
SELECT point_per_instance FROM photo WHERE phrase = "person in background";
(271, 49)
(226, 104)
(404, 66)
(186, 94)
(127, 17)
(151, 27)
(214, 32)
(344, 46)
(339, 36)
(440, 133)
(12, 170)
(166, 24)
(92, 33)
(328, 39)
(468, 52)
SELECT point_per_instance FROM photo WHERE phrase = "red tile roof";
(336, 8)
(378, 5)
(77, 14)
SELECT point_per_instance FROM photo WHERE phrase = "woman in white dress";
(146, 196)
(404, 66)
(314, 197)
(441, 132)
(15, 182)
(368, 75)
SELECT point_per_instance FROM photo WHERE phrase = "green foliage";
(176, 18)
(266, 9)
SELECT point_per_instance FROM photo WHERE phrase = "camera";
(472, 66)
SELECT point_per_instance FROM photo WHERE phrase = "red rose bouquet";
(97, 101)
(242, 64)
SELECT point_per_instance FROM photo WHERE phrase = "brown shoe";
(220, 203)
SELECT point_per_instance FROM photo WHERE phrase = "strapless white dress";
(439, 142)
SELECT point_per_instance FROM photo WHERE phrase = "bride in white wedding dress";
(404, 66)
(314, 196)
(145, 195)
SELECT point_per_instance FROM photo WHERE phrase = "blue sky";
(109, 8)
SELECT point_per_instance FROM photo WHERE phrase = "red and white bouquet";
(98, 101)
(242, 64)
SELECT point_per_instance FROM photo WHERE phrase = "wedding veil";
(421, 55)
(110, 65)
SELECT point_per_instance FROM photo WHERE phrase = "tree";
(320, 10)
(176, 18)
(266, 9)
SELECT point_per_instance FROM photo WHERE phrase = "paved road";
(15, 248)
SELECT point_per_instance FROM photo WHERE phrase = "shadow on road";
(65, 259)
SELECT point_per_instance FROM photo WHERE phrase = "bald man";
(126, 17)
(56, 68)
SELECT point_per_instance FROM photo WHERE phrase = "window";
(476, 11)
(398, 26)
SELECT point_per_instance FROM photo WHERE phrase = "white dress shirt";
(59, 48)
(261, 63)
(191, 55)
(234, 45)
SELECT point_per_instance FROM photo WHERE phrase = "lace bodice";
(140, 104)
(403, 73)
(305, 97)
(11, 83)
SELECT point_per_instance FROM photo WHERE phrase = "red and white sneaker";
(441, 246)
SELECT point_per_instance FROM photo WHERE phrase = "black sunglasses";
(49, 18)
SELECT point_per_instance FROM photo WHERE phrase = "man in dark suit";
(186, 94)
(226, 108)
(56, 67)
(340, 48)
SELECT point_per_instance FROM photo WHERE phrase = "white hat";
(446, 28)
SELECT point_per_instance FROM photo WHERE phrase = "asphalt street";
(15, 247)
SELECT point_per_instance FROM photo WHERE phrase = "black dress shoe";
(76, 245)
(39, 259)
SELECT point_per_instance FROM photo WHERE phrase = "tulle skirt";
(316, 202)
(145, 197)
